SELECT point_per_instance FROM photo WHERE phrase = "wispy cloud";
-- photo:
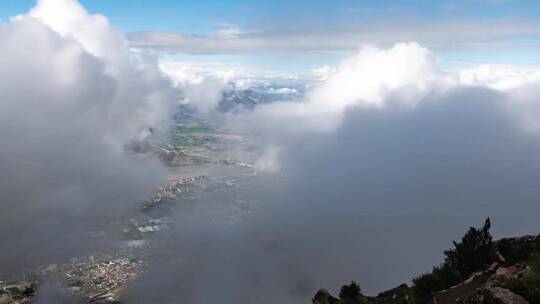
(323, 38)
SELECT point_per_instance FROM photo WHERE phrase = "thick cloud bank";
(387, 161)
(71, 97)
(390, 159)
(372, 78)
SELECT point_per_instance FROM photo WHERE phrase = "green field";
(191, 134)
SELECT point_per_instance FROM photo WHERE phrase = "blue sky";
(308, 33)
(201, 16)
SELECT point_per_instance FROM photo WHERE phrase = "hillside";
(476, 271)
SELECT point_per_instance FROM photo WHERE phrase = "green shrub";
(423, 286)
(442, 277)
(473, 253)
(350, 292)
(529, 284)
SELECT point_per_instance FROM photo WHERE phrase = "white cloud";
(500, 77)
(182, 74)
(203, 83)
(310, 39)
(70, 19)
(228, 31)
(324, 72)
(244, 83)
(368, 79)
(284, 91)
(405, 76)
(71, 97)
(202, 87)
(130, 110)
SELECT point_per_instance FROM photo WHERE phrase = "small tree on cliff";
(350, 292)
(474, 252)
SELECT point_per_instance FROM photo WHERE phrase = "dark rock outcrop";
(16, 293)
(518, 249)
(495, 295)
(324, 297)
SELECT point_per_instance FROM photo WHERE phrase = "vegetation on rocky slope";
(528, 284)
(475, 270)
(473, 253)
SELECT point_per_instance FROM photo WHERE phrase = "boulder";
(515, 250)
(5, 298)
(495, 295)
(324, 297)
(504, 275)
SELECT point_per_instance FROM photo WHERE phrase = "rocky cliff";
(511, 279)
